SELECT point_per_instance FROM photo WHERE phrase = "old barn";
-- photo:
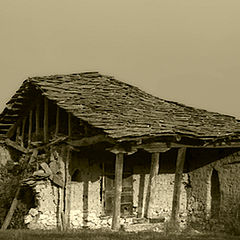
(104, 153)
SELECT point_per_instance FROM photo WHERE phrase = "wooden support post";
(45, 121)
(117, 191)
(30, 127)
(151, 183)
(23, 131)
(11, 211)
(37, 117)
(69, 124)
(141, 195)
(177, 185)
(57, 120)
(18, 138)
(67, 191)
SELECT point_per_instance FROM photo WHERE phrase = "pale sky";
(181, 50)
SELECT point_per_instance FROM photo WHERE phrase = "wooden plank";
(30, 127)
(117, 191)
(57, 120)
(177, 185)
(23, 130)
(67, 190)
(45, 121)
(141, 195)
(11, 211)
(86, 141)
(18, 138)
(37, 118)
(151, 184)
(15, 145)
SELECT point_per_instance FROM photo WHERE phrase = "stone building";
(105, 153)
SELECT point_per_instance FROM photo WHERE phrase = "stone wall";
(87, 197)
(200, 193)
(162, 203)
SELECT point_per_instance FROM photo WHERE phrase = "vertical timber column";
(30, 127)
(23, 131)
(18, 134)
(68, 188)
(177, 185)
(117, 191)
(152, 183)
(37, 118)
(45, 121)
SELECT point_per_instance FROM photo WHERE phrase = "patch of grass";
(103, 235)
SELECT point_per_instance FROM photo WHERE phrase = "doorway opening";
(215, 195)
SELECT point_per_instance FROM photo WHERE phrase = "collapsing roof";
(120, 110)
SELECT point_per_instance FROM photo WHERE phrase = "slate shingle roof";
(122, 110)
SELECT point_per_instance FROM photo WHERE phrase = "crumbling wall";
(199, 194)
(48, 196)
(44, 216)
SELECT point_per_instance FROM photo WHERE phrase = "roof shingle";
(122, 110)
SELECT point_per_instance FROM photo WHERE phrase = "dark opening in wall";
(215, 195)
(76, 177)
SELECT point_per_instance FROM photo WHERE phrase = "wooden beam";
(15, 145)
(117, 191)
(45, 121)
(11, 211)
(30, 127)
(67, 191)
(141, 195)
(69, 124)
(86, 141)
(23, 130)
(177, 185)
(37, 117)
(151, 184)
(18, 132)
(57, 120)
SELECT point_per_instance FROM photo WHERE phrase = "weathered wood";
(15, 145)
(45, 121)
(141, 195)
(30, 118)
(11, 211)
(18, 138)
(67, 190)
(155, 147)
(57, 120)
(58, 140)
(37, 117)
(117, 191)
(69, 124)
(177, 184)
(23, 130)
(151, 184)
(86, 141)
(12, 129)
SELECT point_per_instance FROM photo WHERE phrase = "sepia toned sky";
(181, 50)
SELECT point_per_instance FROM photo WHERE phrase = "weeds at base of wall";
(10, 176)
(233, 226)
